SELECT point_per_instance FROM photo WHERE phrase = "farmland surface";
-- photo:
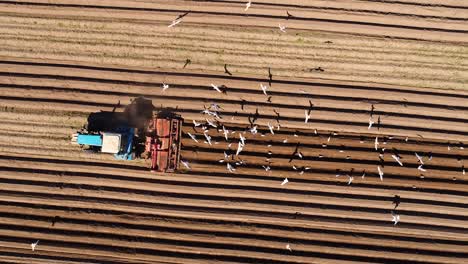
(402, 64)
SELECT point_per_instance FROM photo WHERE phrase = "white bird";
(186, 164)
(363, 174)
(421, 168)
(284, 181)
(397, 159)
(267, 168)
(395, 218)
(315, 131)
(211, 113)
(351, 178)
(271, 128)
(380, 173)
(419, 158)
(192, 137)
(175, 22)
(165, 87)
(288, 247)
(264, 88)
(253, 130)
(230, 167)
(196, 124)
(463, 170)
(225, 132)
(329, 138)
(371, 122)
(285, 141)
(208, 138)
(240, 146)
(215, 107)
(376, 144)
(33, 245)
(242, 139)
(307, 116)
(216, 88)
(282, 28)
(211, 123)
(247, 5)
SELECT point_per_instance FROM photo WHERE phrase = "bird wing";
(175, 22)
(215, 87)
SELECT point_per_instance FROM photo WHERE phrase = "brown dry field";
(62, 60)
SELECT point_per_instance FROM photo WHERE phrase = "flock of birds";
(232, 160)
(179, 18)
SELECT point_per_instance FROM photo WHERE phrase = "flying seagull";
(288, 247)
(34, 245)
(380, 173)
(216, 88)
(230, 168)
(225, 132)
(165, 87)
(192, 137)
(186, 164)
(296, 152)
(264, 88)
(351, 178)
(376, 144)
(210, 123)
(226, 70)
(420, 167)
(240, 146)
(196, 124)
(284, 181)
(397, 159)
(301, 169)
(282, 28)
(371, 122)
(178, 20)
(174, 22)
(307, 116)
(271, 128)
(253, 130)
(208, 138)
(395, 218)
(242, 139)
(419, 158)
(247, 5)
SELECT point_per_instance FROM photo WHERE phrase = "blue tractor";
(118, 142)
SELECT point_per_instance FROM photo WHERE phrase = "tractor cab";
(119, 142)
